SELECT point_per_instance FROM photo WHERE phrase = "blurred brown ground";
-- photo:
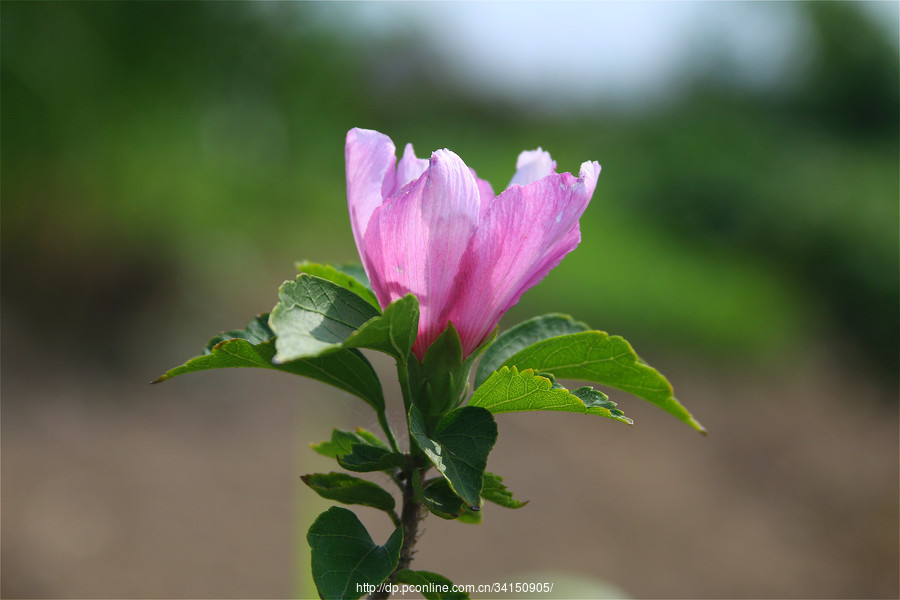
(115, 488)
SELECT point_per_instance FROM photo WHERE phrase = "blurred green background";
(164, 164)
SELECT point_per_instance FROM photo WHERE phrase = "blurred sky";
(562, 55)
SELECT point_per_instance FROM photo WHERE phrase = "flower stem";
(403, 373)
(410, 517)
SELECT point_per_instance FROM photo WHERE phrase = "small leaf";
(342, 441)
(256, 332)
(494, 491)
(608, 360)
(350, 490)
(508, 390)
(439, 498)
(441, 380)
(364, 458)
(370, 438)
(345, 557)
(470, 517)
(592, 397)
(346, 277)
(431, 585)
(521, 336)
(458, 447)
(254, 346)
(393, 333)
(315, 316)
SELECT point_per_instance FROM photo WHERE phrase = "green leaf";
(346, 276)
(315, 316)
(370, 438)
(357, 272)
(494, 491)
(600, 358)
(470, 517)
(393, 333)
(440, 499)
(256, 332)
(521, 336)
(441, 380)
(254, 346)
(431, 585)
(342, 441)
(458, 447)
(345, 557)
(350, 490)
(508, 390)
(364, 458)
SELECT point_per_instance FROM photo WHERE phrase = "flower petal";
(370, 157)
(486, 192)
(417, 238)
(525, 233)
(409, 168)
(533, 165)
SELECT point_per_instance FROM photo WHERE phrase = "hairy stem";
(410, 517)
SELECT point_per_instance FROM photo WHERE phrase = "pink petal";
(409, 168)
(369, 156)
(525, 233)
(533, 165)
(486, 192)
(417, 238)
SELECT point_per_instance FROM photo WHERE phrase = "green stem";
(403, 373)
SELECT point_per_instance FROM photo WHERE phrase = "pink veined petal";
(533, 165)
(370, 157)
(417, 238)
(486, 192)
(526, 232)
(409, 169)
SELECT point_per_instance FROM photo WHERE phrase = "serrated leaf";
(458, 447)
(494, 491)
(344, 557)
(344, 276)
(608, 360)
(508, 390)
(350, 490)
(440, 499)
(315, 316)
(431, 585)
(364, 458)
(254, 346)
(342, 441)
(521, 336)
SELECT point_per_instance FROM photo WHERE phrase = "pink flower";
(431, 227)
